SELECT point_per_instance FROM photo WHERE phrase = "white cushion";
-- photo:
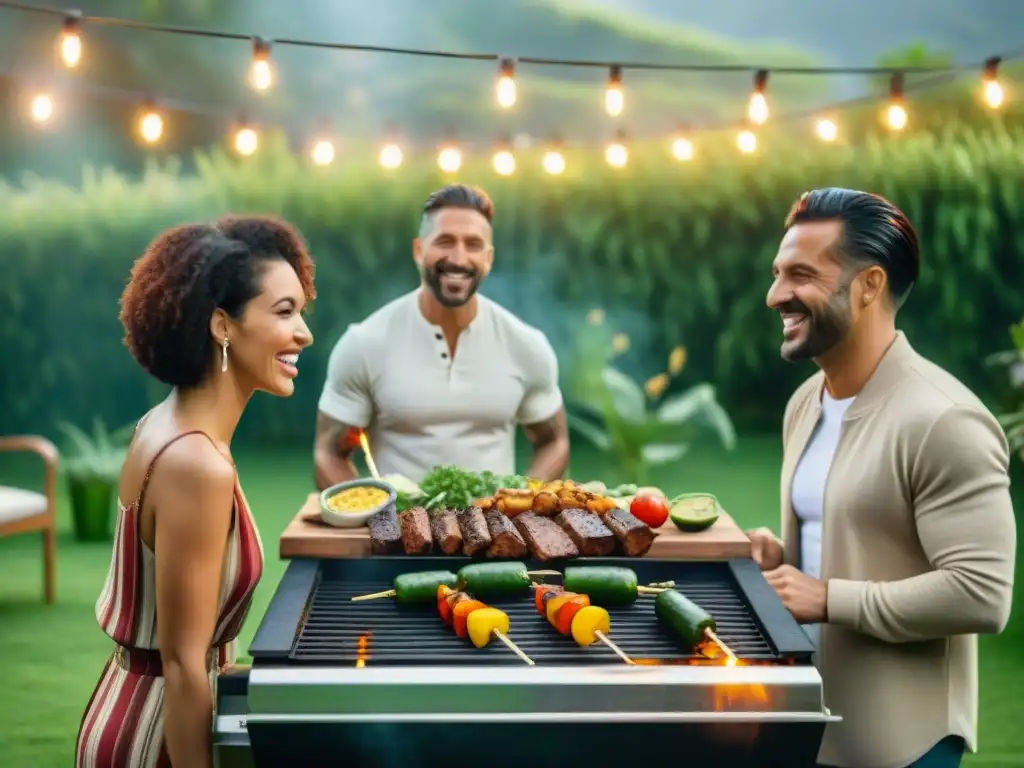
(16, 503)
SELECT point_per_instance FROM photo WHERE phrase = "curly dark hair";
(186, 273)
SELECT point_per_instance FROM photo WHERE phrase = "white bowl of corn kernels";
(351, 504)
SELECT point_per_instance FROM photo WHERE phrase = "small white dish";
(354, 519)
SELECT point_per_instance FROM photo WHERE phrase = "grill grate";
(382, 632)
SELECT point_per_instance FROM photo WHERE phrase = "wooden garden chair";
(24, 511)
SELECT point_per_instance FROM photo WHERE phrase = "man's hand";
(765, 549)
(805, 597)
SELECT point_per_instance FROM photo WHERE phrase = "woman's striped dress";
(123, 722)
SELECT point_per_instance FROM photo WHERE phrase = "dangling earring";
(224, 356)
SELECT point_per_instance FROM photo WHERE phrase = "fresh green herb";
(456, 488)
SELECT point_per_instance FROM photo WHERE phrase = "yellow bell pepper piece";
(554, 603)
(482, 622)
(587, 623)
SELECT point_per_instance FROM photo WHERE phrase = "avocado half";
(694, 512)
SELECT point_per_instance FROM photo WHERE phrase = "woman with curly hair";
(216, 312)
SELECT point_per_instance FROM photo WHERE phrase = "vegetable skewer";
(499, 579)
(688, 620)
(572, 614)
(475, 620)
(418, 587)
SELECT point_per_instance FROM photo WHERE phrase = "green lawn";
(50, 657)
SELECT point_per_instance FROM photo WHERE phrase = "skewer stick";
(543, 573)
(650, 590)
(514, 648)
(618, 651)
(376, 595)
(365, 445)
(718, 641)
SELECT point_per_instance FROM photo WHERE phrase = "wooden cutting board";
(308, 536)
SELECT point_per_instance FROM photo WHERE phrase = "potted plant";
(635, 424)
(92, 467)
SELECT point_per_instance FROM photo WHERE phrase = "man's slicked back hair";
(874, 231)
(456, 196)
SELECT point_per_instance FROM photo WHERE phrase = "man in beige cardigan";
(898, 534)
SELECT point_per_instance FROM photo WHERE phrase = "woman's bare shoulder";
(193, 472)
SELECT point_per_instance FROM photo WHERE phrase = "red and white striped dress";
(123, 724)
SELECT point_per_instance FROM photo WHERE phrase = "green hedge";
(674, 254)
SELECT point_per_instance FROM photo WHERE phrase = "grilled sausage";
(385, 534)
(475, 536)
(505, 539)
(588, 533)
(544, 538)
(416, 531)
(634, 537)
(444, 529)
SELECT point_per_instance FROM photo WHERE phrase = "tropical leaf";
(720, 423)
(664, 453)
(626, 395)
(683, 407)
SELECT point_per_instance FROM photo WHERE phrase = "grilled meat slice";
(385, 533)
(588, 533)
(634, 537)
(416, 531)
(544, 538)
(444, 528)
(475, 535)
(505, 539)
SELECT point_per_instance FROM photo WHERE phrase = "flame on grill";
(363, 649)
(364, 443)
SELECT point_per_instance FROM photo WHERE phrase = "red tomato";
(650, 509)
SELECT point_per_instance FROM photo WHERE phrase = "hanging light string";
(111, 21)
(262, 77)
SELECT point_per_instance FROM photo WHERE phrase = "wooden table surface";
(308, 536)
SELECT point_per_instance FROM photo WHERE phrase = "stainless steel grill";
(379, 684)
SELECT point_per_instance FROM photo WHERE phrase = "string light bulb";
(896, 113)
(246, 140)
(261, 70)
(992, 89)
(70, 40)
(614, 99)
(616, 154)
(826, 129)
(390, 155)
(151, 125)
(757, 109)
(504, 162)
(449, 159)
(682, 147)
(553, 162)
(746, 141)
(42, 107)
(505, 88)
(322, 152)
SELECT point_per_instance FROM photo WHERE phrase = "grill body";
(379, 684)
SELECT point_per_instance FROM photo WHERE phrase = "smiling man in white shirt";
(443, 375)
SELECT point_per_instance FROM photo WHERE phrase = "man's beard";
(434, 278)
(823, 329)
